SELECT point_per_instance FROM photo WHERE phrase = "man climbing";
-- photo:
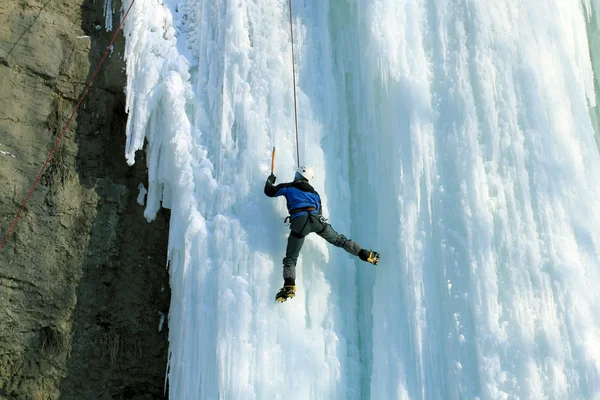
(304, 206)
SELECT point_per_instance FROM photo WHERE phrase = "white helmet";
(305, 172)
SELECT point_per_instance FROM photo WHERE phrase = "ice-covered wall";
(452, 137)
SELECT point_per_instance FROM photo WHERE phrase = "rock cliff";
(83, 283)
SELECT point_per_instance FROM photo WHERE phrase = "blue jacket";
(299, 194)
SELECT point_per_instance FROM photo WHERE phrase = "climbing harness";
(296, 211)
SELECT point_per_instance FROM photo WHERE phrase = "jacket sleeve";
(271, 190)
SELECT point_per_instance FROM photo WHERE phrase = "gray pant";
(301, 226)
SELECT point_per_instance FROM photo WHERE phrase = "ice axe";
(273, 160)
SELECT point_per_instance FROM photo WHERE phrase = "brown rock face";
(83, 283)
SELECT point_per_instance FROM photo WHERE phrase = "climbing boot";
(369, 256)
(286, 292)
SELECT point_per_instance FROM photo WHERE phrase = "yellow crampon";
(369, 256)
(286, 292)
(373, 258)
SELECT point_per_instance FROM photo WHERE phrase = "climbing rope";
(294, 74)
(65, 128)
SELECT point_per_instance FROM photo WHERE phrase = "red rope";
(37, 180)
(294, 73)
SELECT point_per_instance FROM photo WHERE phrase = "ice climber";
(304, 206)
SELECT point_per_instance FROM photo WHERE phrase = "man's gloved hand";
(271, 179)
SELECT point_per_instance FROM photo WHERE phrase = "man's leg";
(292, 252)
(329, 234)
(339, 240)
(301, 226)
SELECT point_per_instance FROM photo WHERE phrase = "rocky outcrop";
(83, 284)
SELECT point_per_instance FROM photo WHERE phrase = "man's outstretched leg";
(339, 240)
